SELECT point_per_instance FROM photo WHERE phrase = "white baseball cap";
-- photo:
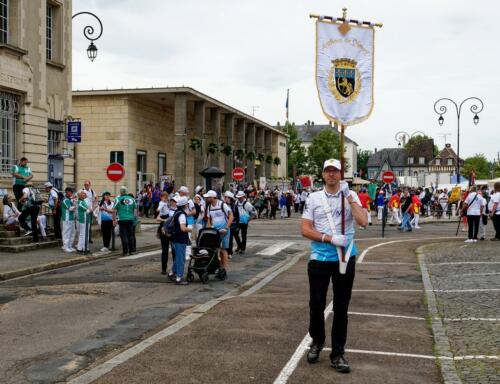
(332, 163)
(198, 189)
(240, 194)
(183, 189)
(48, 184)
(229, 194)
(210, 193)
(181, 201)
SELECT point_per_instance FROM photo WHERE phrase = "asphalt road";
(56, 324)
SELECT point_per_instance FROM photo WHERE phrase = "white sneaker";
(416, 227)
(469, 241)
(104, 249)
(67, 250)
(474, 240)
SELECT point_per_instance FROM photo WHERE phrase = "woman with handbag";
(473, 209)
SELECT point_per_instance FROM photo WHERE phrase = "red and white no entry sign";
(238, 174)
(115, 172)
(388, 177)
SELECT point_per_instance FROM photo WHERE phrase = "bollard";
(454, 209)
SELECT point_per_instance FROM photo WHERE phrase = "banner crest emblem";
(344, 80)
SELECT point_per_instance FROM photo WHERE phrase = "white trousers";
(42, 224)
(83, 238)
(396, 216)
(414, 222)
(368, 215)
(68, 234)
(380, 210)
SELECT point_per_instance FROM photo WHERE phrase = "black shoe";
(340, 364)
(181, 282)
(163, 272)
(91, 242)
(313, 354)
(482, 238)
(171, 277)
(370, 224)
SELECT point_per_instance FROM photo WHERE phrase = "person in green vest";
(21, 174)
(372, 191)
(83, 213)
(124, 214)
(68, 208)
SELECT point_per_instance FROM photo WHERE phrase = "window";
(50, 30)
(9, 110)
(116, 157)
(4, 21)
(55, 137)
(400, 173)
(438, 161)
(450, 161)
(162, 164)
(410, 160)
(421, 160)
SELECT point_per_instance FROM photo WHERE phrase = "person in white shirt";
(483, 220)
(91, 201)
(10, 211)
(443, 201)
(54, 205)
(495, 211)
(474, 206)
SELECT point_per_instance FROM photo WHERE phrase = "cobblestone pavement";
(466, 280)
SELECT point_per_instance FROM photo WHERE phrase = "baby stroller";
(205, 256)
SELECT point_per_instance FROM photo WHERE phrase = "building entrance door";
(56, 171)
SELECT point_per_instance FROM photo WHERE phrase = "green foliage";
(269, 159)
(240, 153)
(277, 161)
(296, 154)
(261, 157)
(418, 138)
(363, 157)
(478, 164)
(212, 148)
(227, 150)
(195, 143)
(250, 156)
(325, 145)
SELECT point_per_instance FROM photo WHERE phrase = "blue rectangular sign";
(74, 132)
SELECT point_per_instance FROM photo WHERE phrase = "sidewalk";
(25, 263)
(465, 279)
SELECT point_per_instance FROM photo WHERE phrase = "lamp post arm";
(476, 107)
(88, 30)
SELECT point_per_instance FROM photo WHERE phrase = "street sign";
(74, 132)
(238, 174)
(388, 177)
(115, 172)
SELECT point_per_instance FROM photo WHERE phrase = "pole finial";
(344, 13)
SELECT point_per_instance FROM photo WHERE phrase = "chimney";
(308, 122)
(312, 122)
(375, 150)
(448, 145)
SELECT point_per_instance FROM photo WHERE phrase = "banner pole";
(342, 164)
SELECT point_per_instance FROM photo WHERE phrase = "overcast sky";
(248, 52)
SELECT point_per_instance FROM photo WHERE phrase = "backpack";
(34, 198)
(169, 225)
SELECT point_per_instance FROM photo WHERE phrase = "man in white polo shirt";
(322, 223)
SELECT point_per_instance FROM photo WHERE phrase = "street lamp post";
(475, 108)
(88, 32)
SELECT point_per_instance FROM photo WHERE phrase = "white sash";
(329, 216)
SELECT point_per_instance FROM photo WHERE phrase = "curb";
(447, 366)
(66, 263)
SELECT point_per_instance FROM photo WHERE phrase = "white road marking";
(464, 262)
(387, 290)
(275, 248)
(386, 263)
(290, 366)
(363, 254)
(466, 290)
(481, 274)
(140, 255)
(386, 315)
(471, 319)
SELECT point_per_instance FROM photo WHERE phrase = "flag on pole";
(286, 104)
(344, 70)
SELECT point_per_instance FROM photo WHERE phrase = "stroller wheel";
(190, 277)
(222, 274)
(204, 278)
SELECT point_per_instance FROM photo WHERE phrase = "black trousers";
(288, 210)
(473, 223)
(301, 208)
(127, 235)
(107, 232)
(242, 241)
(320, 273)
(165, 245)
(57, 224)
(32, 212)
(18, 193)
(273, 212)
(296, 207)
(496, 225)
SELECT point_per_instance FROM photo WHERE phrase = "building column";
(259, 149)
(268, 151)
(274, 153)
(250, 147)
(228, 140)
(215, 117)
(199, 132)
(180, 128)
(240, 140)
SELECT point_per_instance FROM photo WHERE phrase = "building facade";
(443, 166)
(387, 159)
(35, 89)
(170, 133)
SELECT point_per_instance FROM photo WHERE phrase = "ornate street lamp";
(476, 107)
(88, 32)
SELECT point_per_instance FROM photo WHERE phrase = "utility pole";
(253, 108)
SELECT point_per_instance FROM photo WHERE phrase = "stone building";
(443, 166)
(156, 132)
(35, 88)
(387, 159)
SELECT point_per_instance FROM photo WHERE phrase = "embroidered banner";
(344, 71)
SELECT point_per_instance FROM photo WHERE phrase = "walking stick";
(458, 226)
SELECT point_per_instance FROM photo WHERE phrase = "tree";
(363, 157)
(479, 164)
(325, 145)
(415, 139)
(296, 153)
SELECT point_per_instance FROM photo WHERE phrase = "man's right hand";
(339, 240)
